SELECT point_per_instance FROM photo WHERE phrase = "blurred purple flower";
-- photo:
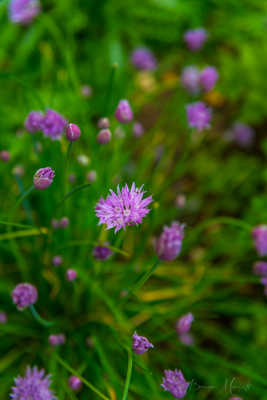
(260, 268)
(33, 386)
(123, 112)
(208, 78)
(138, 129)
(86, 91)
(195, 38)
(190, 79)
(125, 208)
(169, 244)
(71, 274)
(57, 260)
(143, 58)
(140, 344)
(184, 323)
(198, 115)
(235, 398)
(91, 176)
(24, 11)
(43, 178)
(3, 317)
(75, 383)
(175, 383)
(73, 132)
(102, 252)
(104, 136)
(103, 123)
(243, 134)
(64, 222)
(259, 235)
(55, 223)
(24, 295)
(186, 339)
(53, 124)
(57, 340)
(33, 122)
(5, 155)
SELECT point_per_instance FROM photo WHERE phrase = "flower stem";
(77, 189)
(88, 384)
(109, 88)
(22, 197)
(128, 376)
(38, 318)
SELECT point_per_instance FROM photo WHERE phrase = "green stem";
(88, 384)
(38, 318)
(22, 197)
(128, 376)
(77, 189)
(109, 89)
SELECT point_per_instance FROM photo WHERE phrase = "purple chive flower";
(138, 129)
(23, 12)
(64, 222)
(102, 252)
(124, 112)
(169, 244)
(57, 340)
(184, 323)
(103, 123)
(186, 339)
(73, 132)
(243, 134)
(53, 124)
(190, 79)
(125, 208)
(104, 136)
(34, 385)
(75, 383)
(55, 223)
(5, 155)
(71, 274)
(3, 317)
(175, 383)
(143, 58)
(140, 344)
(24, 295)
(33, 122)
(235, 398)
(195, 38)
(91, 176)
(57, 260)
(260, 268)
(259, 235)
(43, 178)
(208, 78)
(198, 115)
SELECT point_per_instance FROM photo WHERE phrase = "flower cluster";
(198, 115)
(23, 12)
(52, 124)
(195, 38)
(24, 295)
(140, 344)
(143, 58)
(175, 383)
(193, 80)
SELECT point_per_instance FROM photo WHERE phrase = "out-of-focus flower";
(186, 339)
(18, 170)
(235, 398)
(71, 274)
(83, 159)
(195, 38)
(190, 79)
(243, 134)
(125, 208)
(55, 223)
(143, 58)
(72, 177)
(5, 155)
(168, 245)
(175, 383)
(198, 115)
(86, 91)
(104, 136)
(33, 122)
(64, 222)
(75, 383)
(57, 340)
(146, 81)
(3, 317)
(102, 252)
(259, 235)
(140, 344)
(103, 123)
(24, 295)
(208, 78)
(33, 386)
(23, 12)
(124, 112)
(180, 200)
(260, 268)
(73, 132)
(184, 323)
(43, 178)
(57, 260)
(91, 176)
(138, 129)
(53, 124)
